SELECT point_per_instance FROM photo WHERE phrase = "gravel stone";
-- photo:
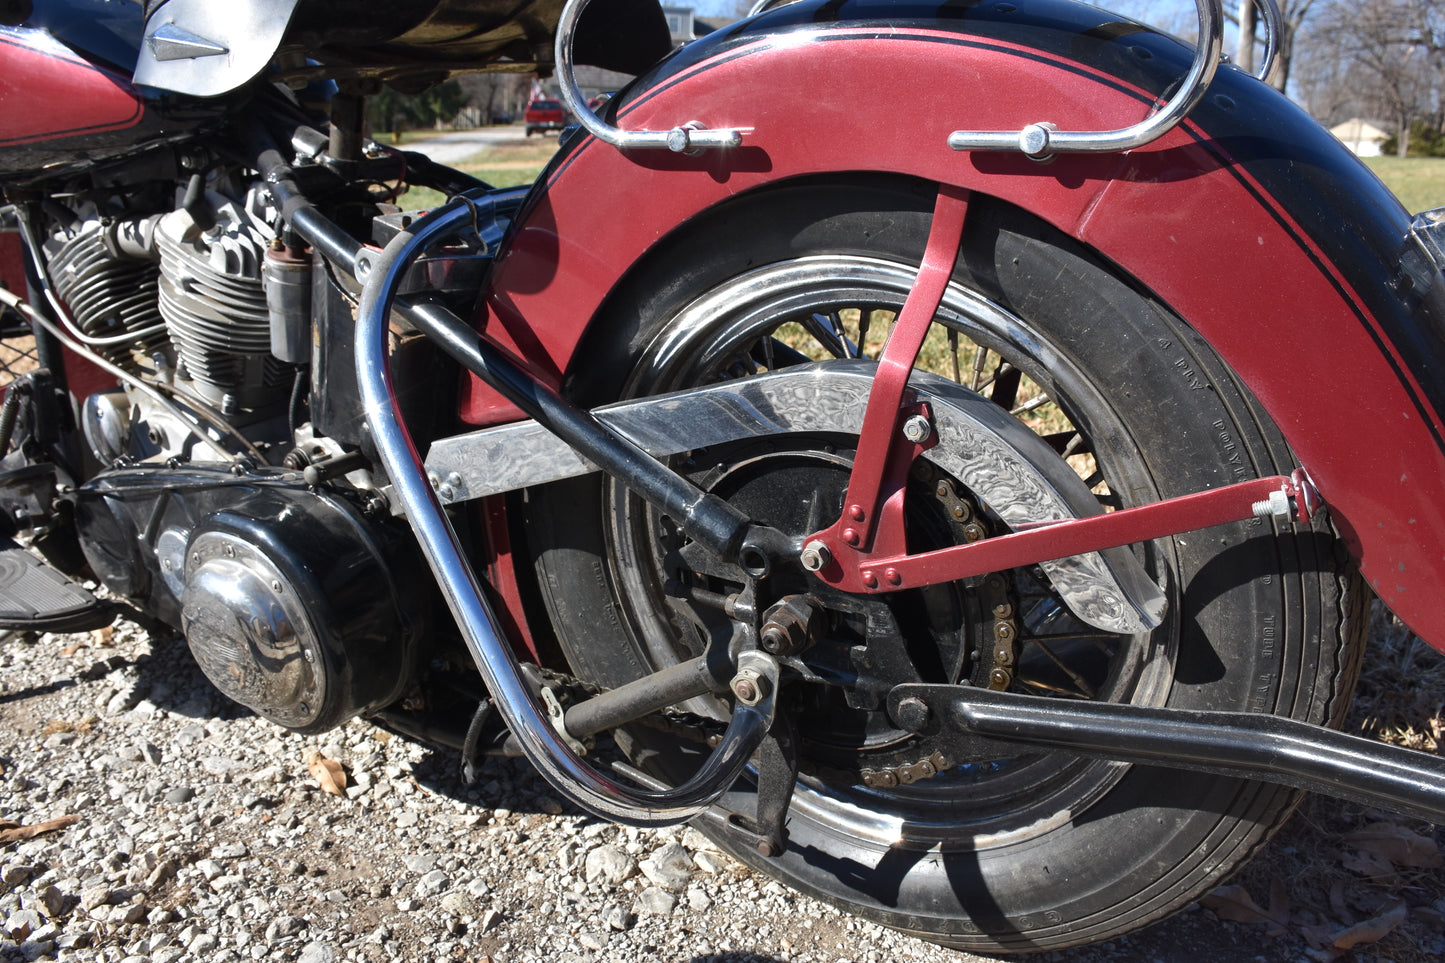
(52, 901)
(608, 864)
(670, 867)
(16, 873)
(432, 883)
(317, 953)
(457, 903)
(656, 901)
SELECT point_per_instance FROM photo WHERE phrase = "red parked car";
(544, 115)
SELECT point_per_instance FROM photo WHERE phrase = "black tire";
(1036, 852)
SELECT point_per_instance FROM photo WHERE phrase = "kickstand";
(776, 762)
(474, 737)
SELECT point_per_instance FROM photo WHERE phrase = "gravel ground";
(200, 834)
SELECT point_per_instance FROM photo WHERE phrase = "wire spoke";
(1086, 690)
(1048, 687)
(865, 323)
(821, 327)
(980, 365)
(1032, 404)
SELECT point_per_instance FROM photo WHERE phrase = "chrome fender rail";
(1036, 140)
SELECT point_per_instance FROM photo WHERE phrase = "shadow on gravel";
(97, 671)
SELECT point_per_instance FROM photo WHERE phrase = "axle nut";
(750, 687)
(912, 714)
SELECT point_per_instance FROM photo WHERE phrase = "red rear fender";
(1251, 222)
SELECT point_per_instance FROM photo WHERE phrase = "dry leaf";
(1372, 930)
(327, 773)
(1278, 907)
(14, 832)
(72, 648)
(1321, 936)
(1393, 842)
(1338, 905)
(1234, 903)
(102, 637)
(1369, 865)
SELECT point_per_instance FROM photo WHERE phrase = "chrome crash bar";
(1036, 140)
(545, 747)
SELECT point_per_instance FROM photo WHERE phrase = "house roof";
(1356, 130)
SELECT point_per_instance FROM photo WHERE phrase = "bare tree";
(495, 94)
(1293, 14)
(1391, 53)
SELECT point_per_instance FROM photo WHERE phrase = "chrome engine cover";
(295, 602)
(249, 631)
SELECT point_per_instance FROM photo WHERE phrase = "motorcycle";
(943, 450)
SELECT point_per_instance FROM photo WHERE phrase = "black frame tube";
(703, 516)
(1238, 744)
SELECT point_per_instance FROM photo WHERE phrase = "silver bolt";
(1276, 506)
(750, 687)
(917, 429)
(454, 480)
(815, 556)
(446, 492)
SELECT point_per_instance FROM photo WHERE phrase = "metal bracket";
(1042, 139)
(683, 139)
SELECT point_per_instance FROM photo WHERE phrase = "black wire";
(293, 411)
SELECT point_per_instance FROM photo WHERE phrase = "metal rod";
(1041, 139)
(668, 687)
(544, 747)
(1240, 744)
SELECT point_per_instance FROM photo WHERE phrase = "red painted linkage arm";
(865, 550)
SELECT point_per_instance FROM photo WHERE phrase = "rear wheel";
(1014, 852)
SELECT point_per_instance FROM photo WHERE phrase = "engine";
(181, 299)
(299, 599)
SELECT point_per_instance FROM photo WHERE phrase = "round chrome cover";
(249, 631)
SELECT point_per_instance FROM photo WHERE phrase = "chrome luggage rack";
(1035, 140)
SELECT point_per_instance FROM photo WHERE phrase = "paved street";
(458, 145)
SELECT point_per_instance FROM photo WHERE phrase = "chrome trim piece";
(996, 457)
(1041, 139)
(205, 49)
(169, 42)
(681, 139)
(544, 747)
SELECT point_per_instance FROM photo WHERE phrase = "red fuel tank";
(49, 95)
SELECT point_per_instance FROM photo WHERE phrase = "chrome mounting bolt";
(815, 556)
(917, 429)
